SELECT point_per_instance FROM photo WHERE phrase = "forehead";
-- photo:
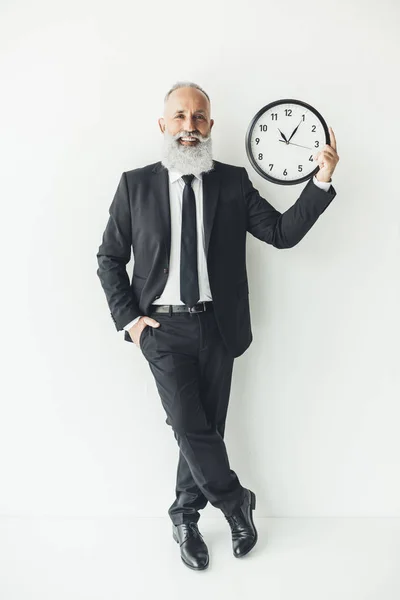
(187, 99)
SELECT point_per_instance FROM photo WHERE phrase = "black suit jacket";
(140, 221)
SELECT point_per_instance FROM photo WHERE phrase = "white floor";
(117, 559)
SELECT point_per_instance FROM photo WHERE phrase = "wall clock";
(282, 139)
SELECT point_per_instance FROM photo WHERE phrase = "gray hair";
(181, 84)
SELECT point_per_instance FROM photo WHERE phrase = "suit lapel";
(161, 188)
(211, 188)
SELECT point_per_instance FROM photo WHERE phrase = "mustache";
(196, 135)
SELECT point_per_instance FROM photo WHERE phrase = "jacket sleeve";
(284, 230)
(113, 255)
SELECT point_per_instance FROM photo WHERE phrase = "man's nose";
(189, 124)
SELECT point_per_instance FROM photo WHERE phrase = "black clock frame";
(250, 131)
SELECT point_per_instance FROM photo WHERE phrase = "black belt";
(175, 308)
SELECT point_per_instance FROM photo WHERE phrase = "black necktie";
(189, 277)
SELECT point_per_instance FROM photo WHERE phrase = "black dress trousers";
(193, 372)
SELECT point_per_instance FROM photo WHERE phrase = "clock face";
(282, 139)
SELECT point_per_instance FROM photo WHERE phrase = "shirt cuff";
(129, 325)
(324, 185)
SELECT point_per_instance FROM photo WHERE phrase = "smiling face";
(186, 126)
(187, 110)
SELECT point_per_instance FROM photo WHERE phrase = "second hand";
(293, 144)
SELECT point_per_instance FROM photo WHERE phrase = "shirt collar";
(175, 175)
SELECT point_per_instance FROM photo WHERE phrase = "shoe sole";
(187, 564)
(252, 507)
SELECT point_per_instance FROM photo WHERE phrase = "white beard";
(187, 159)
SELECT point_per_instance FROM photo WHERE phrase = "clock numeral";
(270, 166)
(257, 140)
(313, 128)
(311, 158)
(274, 116)
(316, 143)
(300, 168)
(288, 112)
(285, 172)
(260, 156)
(304, 117)
(263, 127)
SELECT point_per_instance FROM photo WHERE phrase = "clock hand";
(293, 144)
(282, 134)
(294, 132)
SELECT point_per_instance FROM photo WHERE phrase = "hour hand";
(282, 134)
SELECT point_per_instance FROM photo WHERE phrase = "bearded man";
(185, 218)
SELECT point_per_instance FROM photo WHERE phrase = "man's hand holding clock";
(327, 159)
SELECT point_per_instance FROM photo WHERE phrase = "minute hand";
(294, 132)
(293, 144)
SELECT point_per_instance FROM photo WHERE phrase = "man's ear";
(161, 124)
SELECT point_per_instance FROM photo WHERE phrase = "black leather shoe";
(194, 551)
(244, 533)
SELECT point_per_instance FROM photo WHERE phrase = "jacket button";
(156, 297)
(165, 270)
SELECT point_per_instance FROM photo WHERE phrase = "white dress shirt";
(171, 293)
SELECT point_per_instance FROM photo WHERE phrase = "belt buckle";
(192, 309)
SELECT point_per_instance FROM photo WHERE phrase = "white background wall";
(314, 412)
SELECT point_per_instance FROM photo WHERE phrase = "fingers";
(327, 151)
(332, 139)
(150, 321)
